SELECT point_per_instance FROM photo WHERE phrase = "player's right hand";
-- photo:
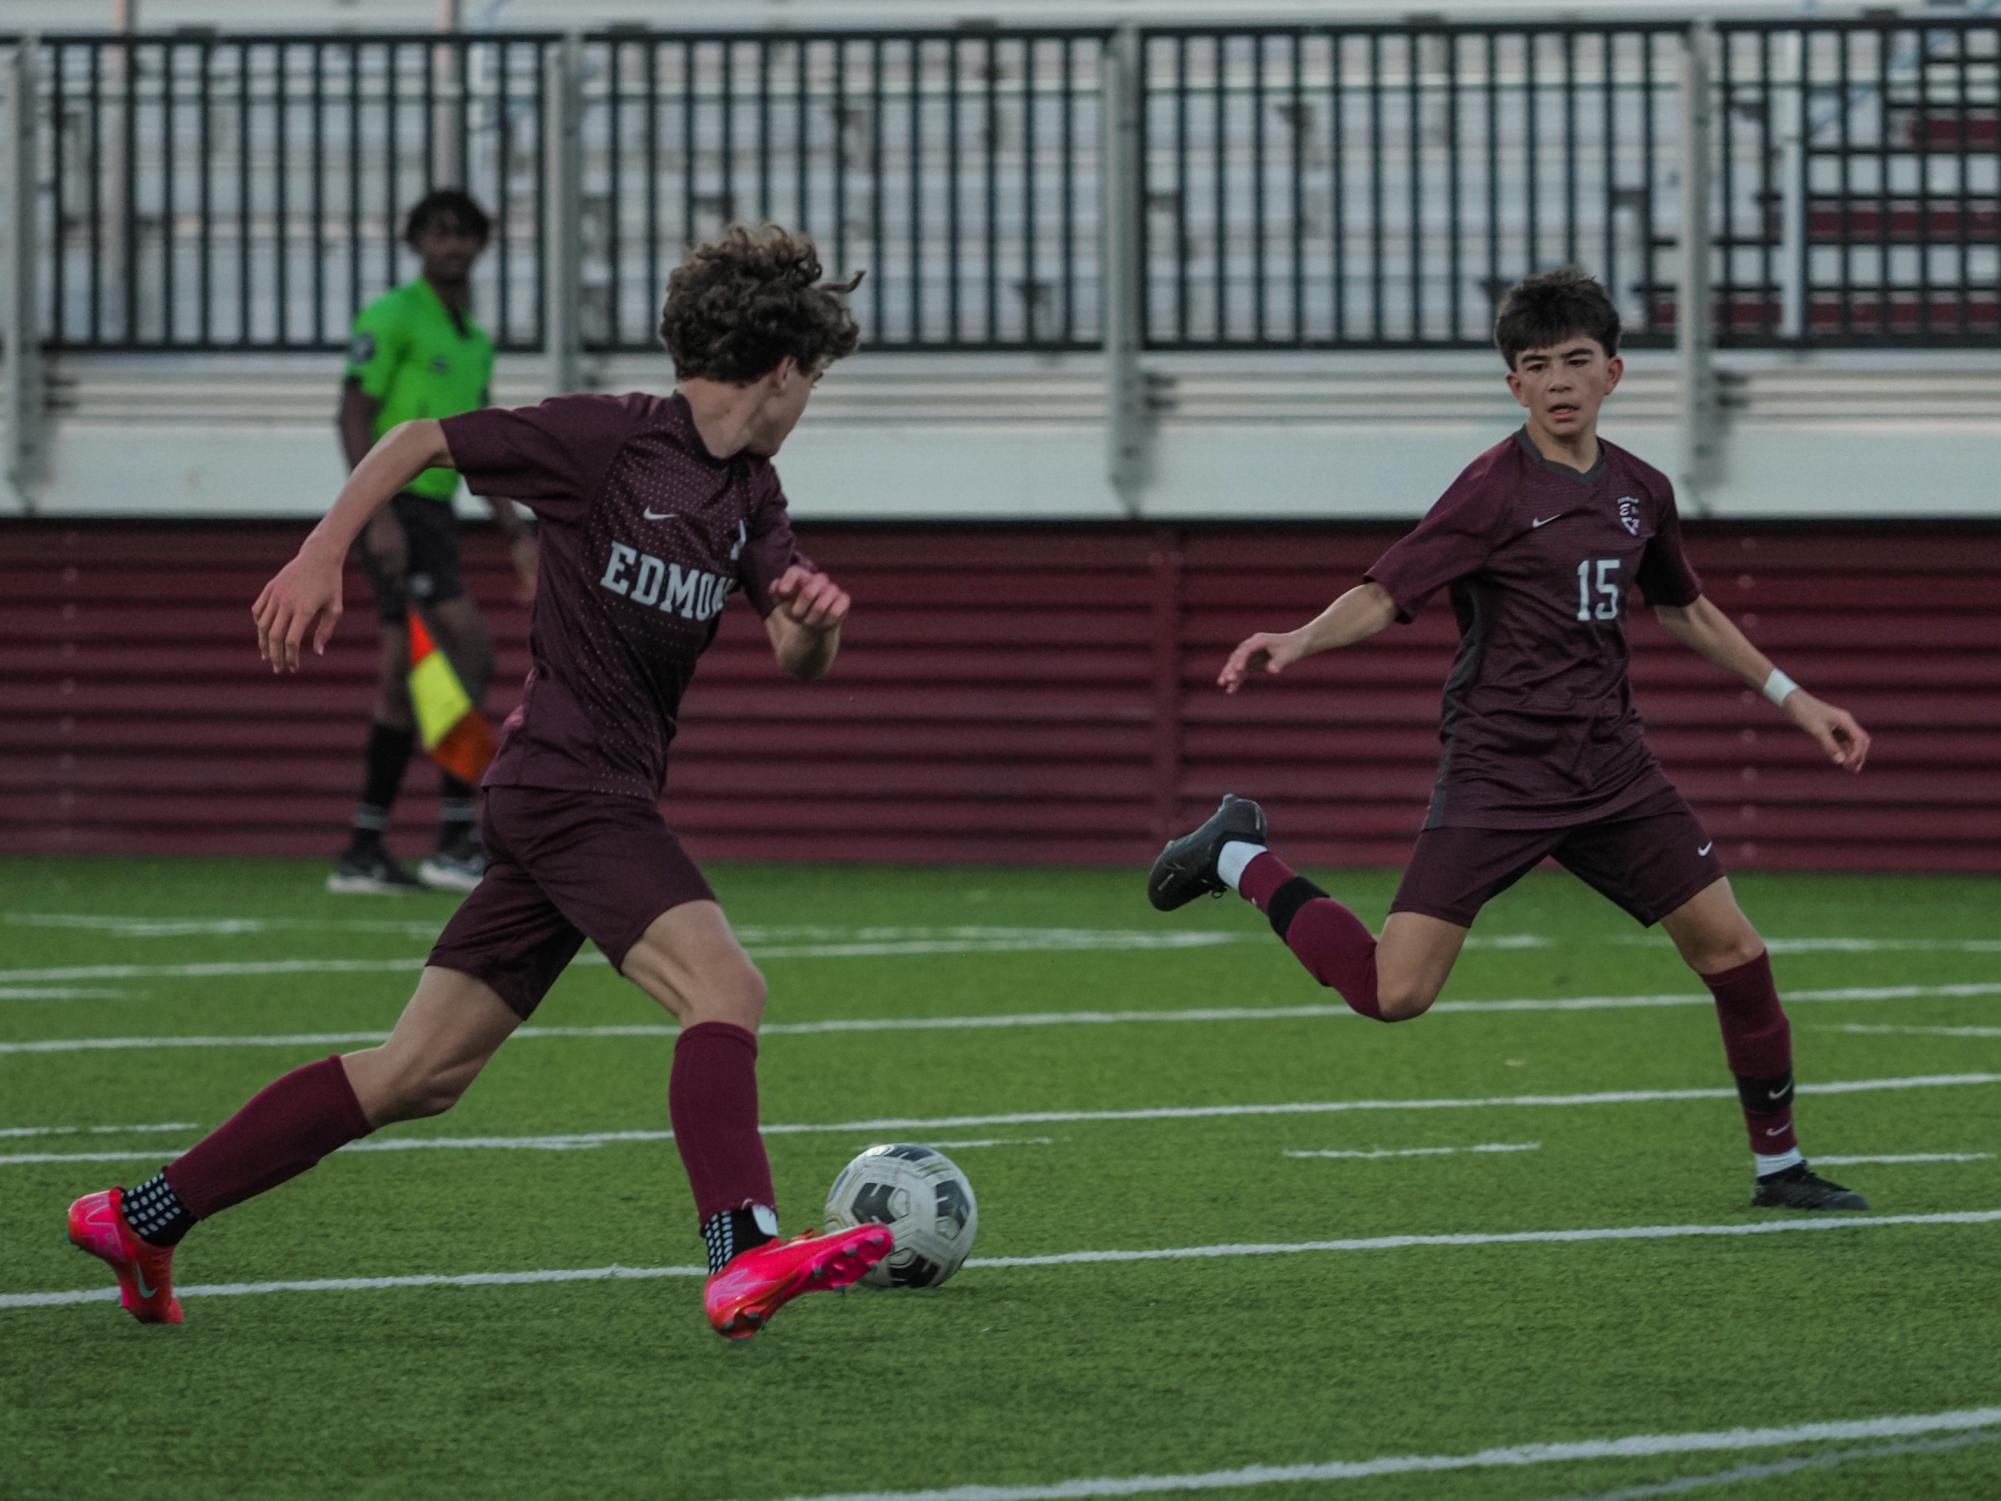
(1267, 651)
(306, 590)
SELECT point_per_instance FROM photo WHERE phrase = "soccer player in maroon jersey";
(654, 512)
(1538, 542)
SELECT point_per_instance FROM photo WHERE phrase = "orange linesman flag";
(453, 730)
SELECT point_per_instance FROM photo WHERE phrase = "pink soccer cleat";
(743, 1296)
(145, 1271)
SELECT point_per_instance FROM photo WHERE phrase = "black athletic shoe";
(1797, 1187)
(1186, 869)
(456, 866)
(371, 871)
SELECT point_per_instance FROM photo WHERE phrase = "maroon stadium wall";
(1007, 694)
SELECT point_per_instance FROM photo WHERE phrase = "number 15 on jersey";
(1606, 604)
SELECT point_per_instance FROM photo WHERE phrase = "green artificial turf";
(1015, 1376)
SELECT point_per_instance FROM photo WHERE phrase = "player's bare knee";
(438, 1090)
(737, 997)
(393, 1084)
(1731, 953)
(1402, 1001)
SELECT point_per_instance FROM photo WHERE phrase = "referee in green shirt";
(417, 353)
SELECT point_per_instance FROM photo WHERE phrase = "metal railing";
(248, 192)
(1859, 182)
(1381, 186)
(1298, 187)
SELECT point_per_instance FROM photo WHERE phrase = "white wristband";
(1777, 686)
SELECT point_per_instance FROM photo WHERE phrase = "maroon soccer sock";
(712, 1097)
(281, 1131)
(1334, 945)
(1758, 1042)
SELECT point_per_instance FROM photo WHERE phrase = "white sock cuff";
(1778, 1162)
(1234, 856)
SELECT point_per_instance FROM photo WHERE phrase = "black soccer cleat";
(1798, 1187)
(1186, 869)
(457, 865)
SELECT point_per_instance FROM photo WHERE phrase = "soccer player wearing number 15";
(1538, 542)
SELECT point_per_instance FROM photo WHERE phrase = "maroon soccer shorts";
(1649, 859)
(563, 867)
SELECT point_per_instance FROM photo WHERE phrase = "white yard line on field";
(1973, 1423)
(907, 943)
(1900, 1157)
(1454, 1241)
(994, 1141)
(841, 937)
(65, 993)
(97, 1130)
(1771, 1471)
(223, 969)
(126, 926)
(1968, 1421)
(887, 1126)
(1923, 1031)
(1485, 1146)
(1153, 1016)
(1737, 1475)
(582, 1141)
(1848, 945)
(216, 927)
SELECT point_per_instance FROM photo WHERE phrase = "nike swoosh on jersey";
(1707, 848)
(651, 515)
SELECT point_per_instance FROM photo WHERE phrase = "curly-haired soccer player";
(654, 512)
(1539, 542)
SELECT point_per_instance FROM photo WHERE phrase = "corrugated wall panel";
(1007, 694)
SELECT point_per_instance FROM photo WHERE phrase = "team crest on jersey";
(362, 350)
(1629, 514)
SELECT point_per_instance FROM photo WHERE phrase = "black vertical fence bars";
(247, 192)
(1308, 187)
(1897, 232)
(957, 169)
(1379, 186)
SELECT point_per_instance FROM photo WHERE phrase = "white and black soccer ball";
(922, 1196)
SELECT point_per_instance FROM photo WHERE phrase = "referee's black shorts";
(431, 558)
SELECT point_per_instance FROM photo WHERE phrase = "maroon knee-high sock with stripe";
(1758, 1041)
(1334, 944)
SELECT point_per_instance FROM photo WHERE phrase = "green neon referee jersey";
(411, 354)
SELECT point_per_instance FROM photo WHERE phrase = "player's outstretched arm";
(1704, 628)
(1355, 616)
(305, 595)
(805, 622)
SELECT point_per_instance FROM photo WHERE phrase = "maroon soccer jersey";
(644, 537)
(1538, 722)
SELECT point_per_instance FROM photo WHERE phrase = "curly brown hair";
(744, 301)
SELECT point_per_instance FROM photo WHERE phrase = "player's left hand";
(810, 599)
(1845, 741)
(522, 549)
(304, 596)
